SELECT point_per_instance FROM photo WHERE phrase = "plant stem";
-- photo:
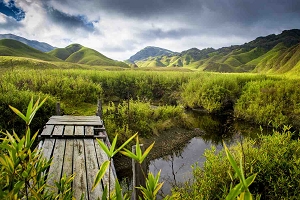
(109, 178)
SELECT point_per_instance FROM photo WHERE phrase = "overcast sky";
(120, 28)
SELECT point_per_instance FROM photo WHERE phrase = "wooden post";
(58, 109)
(99, 108)
(128, 114)
(138, 175)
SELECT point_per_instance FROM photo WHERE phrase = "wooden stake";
(58, 109)
(99, 108)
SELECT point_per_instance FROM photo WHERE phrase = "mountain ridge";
(42, 46)
(248, 57)
(9, 47)
(150, 51)
(77, 53)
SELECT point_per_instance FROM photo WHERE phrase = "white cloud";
(120, 30)
(2, 18)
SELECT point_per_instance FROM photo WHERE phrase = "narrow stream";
(176, 164)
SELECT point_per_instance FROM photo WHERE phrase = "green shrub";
(213, 92)
(12, 96)
(270, 102)
(141, 118)
(65, 87)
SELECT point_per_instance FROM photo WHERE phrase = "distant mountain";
(272, 53)
(150, 52)
(42, 46)
(9, 47)
(79, 54)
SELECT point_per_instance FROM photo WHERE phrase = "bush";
(214, 92)
(141, 118)
(270, 102)
(11, 96)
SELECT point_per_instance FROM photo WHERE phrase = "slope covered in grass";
(269, 54)
(77, 53)
(10, 47)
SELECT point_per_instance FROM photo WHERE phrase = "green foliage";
(100, 174)
(275, 159)
(152, 184)
(241, 190)
(270, 102)
(23, 169)
(214, 92)
(31, 111)
(152, 187)
(11, 96)
(139, 156)
(68, 88)
(141, 118)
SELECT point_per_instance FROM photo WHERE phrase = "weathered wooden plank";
(89, 130)
(58, 130)
(68, 159)
(80, 182)
(102, 157)
(69, 130)
(47, 130)
(92, 169)
(57, 163)
(47, 148)
(75, 120)
(58, 157)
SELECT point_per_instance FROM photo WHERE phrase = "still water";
(176, 165)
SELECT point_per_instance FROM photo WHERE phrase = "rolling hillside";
(150, 52)
(76, 53)
(10, 47)
(42, 46)
(270, 54)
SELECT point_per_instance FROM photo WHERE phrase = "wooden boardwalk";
(71, 142)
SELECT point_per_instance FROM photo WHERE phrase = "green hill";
(149, 52)
(269, 54)
(76, 53)
(10, 47)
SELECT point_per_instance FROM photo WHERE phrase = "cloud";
(70, 21)
(120, 28)
(8, 23)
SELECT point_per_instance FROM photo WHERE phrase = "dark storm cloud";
(70, 21)
(239, 12)
(10, 9)
(141, 9)
(157, 33)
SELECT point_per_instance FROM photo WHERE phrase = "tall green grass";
(273, 102)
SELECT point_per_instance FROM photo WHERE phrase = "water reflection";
(176, 165)
(176, 169)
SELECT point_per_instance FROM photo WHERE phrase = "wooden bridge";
(71, 142)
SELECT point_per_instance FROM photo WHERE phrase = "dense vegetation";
(275, 159)
(262, 99)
